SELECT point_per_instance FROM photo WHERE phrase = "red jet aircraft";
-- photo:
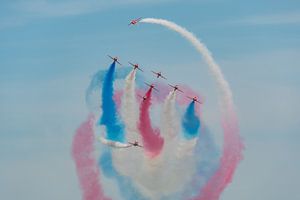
(175, 87)
(135, 143)
(134, 21)
(115, 59)
(152, 86)
(135, 66)
(195, 99)
(158, 74)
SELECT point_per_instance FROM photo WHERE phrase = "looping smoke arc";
(232, 146)
(178, 161)
(152, 140)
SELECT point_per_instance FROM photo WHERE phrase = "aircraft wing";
(148, 84)
(119, 63)
(155, 89)
(154, 72)
(190, 98)
(180, 90)
(163, 77)
(141, 96)
(198, 102)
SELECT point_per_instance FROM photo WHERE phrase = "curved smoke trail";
(113, 143)
(191, 122)
(230, 158)
(232, 146)
(115, 133)
(138, 177)
(92, 94)
(125, 161)
(109, 111)
(153, 176)
(126, 186)
(169, 119)
(86, 166)
(191, 125)
(202, 49)
(129, 111)
(152, 140)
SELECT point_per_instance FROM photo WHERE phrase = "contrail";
(232, 146)
(86, 165)
(152, 140)
(129, 111)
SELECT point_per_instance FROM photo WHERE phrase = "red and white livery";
(134, 21)
(115, 59)
(135, 66)
(195, 99)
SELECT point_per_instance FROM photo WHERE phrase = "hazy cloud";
(272, 19)
(21, 12)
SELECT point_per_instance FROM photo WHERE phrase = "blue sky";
(50, 49)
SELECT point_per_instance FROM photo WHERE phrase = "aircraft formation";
(152, 86)
(157, 75)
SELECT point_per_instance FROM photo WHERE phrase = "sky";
(50, 49)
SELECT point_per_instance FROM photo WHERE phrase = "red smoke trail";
(152, 140)
(232, 155)
(86, 165)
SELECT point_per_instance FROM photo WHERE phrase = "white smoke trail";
(170, 129)
(128, 162)
(170, 122)
(113, 143)
(201, 48)
(129, 111)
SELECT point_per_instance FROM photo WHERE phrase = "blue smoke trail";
(109, 116)
(126, 187)
(190, 122)
(91, 93)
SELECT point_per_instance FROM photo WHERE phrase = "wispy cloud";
(22, 12)
(46, 8)
(271, 19)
